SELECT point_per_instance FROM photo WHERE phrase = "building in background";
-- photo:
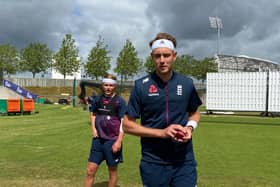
(242, 63)
(50, 74)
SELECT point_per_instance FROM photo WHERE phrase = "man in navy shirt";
(167, 104)
(107, 112)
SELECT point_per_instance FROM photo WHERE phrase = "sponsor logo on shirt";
(106, 102)
(145, 80)
(179, 89)
(153, 90)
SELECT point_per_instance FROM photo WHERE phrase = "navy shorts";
(101, 149)
(173, 175)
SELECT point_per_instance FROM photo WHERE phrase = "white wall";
(274, 92)
(56, 75)
(242, 91)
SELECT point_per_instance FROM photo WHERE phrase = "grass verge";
(51, 149)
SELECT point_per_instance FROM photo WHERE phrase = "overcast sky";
(250, 27)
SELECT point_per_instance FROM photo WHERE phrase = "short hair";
(163, 35)
(110, 76)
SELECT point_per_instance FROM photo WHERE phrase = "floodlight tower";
(216, 22)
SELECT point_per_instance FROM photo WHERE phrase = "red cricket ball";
(179, 135)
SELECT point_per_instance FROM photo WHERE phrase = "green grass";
(51, 149)
(238, 151)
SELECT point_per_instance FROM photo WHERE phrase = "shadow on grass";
(233, 119)
(102, 184)
(238, 122)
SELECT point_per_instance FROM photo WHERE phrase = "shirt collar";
(158, 79)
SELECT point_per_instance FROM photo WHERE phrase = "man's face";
(163, 59)
(108, 89)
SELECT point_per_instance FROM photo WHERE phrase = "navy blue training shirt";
(109, 111)
(160, 104)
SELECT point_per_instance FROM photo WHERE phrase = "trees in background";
(36, 58)
(204, 66)
(9, 60)
(98, 61)
(184, 64)
(149, 66)
(188, 65)
(67, 60)
(128, 64)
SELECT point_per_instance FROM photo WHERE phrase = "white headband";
(163, 43)
(109, 81)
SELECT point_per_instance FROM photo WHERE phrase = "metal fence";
(44, 82)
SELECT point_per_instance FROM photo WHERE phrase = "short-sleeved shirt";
(160, 104)
(109, 111)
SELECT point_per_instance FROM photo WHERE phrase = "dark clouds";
(189, 19)
(253, 21)
(251, 27)
(26, 21)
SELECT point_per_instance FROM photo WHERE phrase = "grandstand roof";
(243, 63)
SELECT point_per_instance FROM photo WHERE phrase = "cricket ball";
(179, 135)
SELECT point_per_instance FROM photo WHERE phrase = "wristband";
(192, 124)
